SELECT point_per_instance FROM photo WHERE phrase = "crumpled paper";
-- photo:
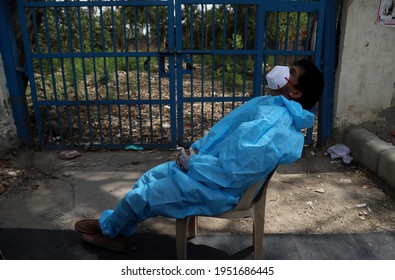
(340, 151)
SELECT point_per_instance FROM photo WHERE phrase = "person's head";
(305, 84)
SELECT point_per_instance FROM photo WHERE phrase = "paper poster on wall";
(386, 13)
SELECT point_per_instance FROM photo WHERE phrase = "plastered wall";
(8, 138)
(365, 78)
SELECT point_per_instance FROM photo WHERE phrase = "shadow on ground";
(36, 244)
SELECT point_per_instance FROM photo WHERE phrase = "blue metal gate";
(156, 74)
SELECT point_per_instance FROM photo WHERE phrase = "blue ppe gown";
(240, 149)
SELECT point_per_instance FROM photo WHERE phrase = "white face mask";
(278, 77)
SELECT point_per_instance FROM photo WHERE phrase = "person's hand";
(185, 156)
(178, 154)
(182, 158)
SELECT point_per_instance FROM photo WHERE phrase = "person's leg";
(134, 207)
(114, 225)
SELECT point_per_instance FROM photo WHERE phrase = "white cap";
(278, 77)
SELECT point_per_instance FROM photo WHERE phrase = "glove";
(185, 157)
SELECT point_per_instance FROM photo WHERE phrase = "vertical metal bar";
(114, 33)
(51, 126)
(64, 84)
(296, 47)
(158, 40)
(49, 50)
(82, 50)
(309, 134)
(224, 60)
(320, 33)
(106, 74)
(265, 17)
(95, 79)
(286, 38)
(235, 14)
(172, 86)
(179, 78)
(203, 15)
(148, 40)
(245, 38)
(213, 64)
(38, 112)
(126, 48)
(259, 47)
(70, 36)
(191, 46)
(59, 124)
(55, 92)
(277, 31)
(308, 31)
(136, 42)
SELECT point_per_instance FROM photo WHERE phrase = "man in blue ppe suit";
(210, 177)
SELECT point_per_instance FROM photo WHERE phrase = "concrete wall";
(365, 78)
(8, 138)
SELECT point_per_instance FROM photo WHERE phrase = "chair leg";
(259, 225)
(258, 239)
(181, 238)
(193, 226)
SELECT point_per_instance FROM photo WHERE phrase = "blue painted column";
(15, 84)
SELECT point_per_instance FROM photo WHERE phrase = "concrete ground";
(317, 208)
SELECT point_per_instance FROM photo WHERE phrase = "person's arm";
(197, 144)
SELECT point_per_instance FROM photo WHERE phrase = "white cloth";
(340, 151)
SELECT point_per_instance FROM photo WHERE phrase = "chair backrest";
(254, 193)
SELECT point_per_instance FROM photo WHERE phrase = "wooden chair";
(249, 206)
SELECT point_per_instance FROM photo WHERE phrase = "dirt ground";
(317, 195)
(329, 198)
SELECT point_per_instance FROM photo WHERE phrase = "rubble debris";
(66, 174)
(311, 205)
(361, 205)
(320, 190)
(69, 154)
(345, 181)
(12, 173)
(312, 154)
